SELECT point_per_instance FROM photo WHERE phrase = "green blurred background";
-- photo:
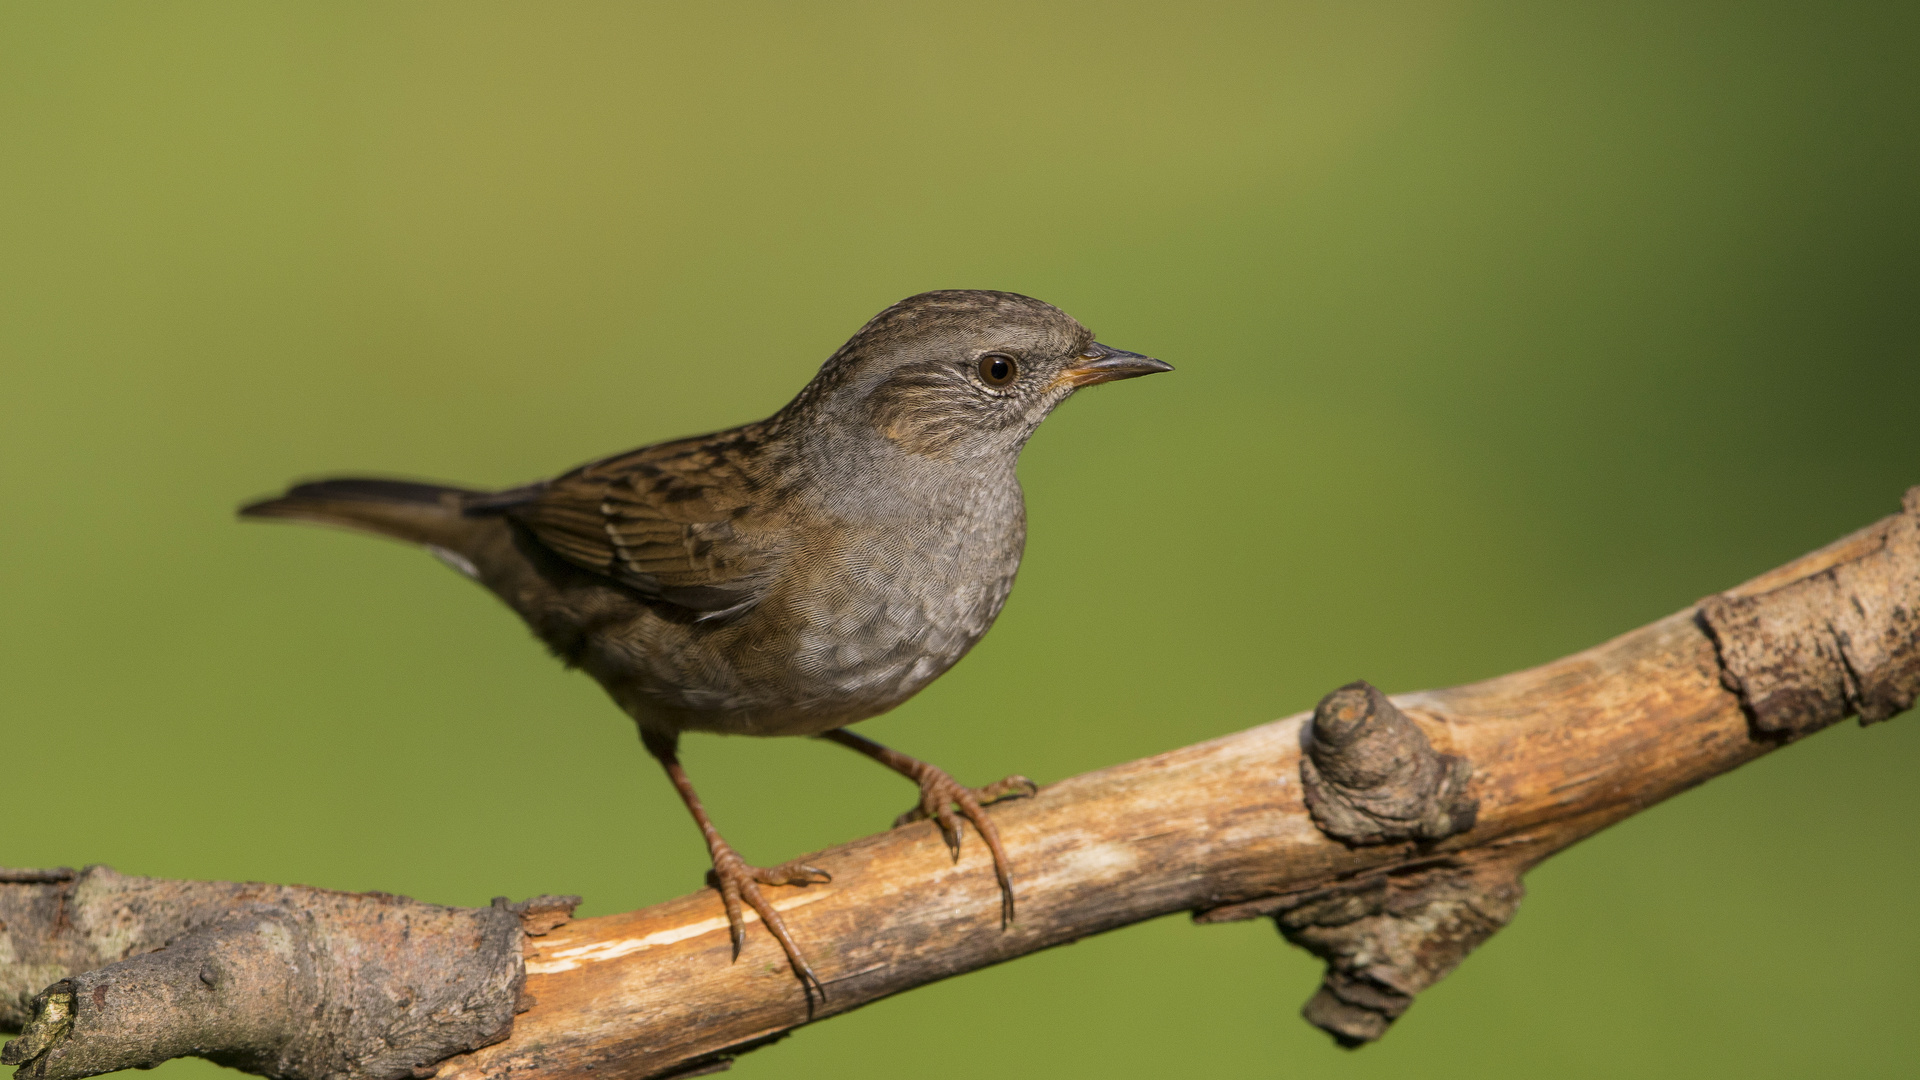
(1501, 328)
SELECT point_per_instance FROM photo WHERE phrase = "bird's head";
(965, 373)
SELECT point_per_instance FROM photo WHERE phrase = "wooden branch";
(1388, 836)
(278, 980)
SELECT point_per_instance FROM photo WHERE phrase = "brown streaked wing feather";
(666, 520)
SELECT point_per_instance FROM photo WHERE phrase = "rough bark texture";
(1388, 838)
(1840, 641)
(1371, 777)
(284, 981)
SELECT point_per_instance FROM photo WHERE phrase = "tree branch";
(278, 980)
(1387, 836)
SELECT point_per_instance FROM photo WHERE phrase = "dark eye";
(997, 369)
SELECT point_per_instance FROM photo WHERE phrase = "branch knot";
(1371, 777)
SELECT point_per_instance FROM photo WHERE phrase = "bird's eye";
(997, 369)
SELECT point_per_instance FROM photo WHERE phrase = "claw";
(737, 882)
(941, 794)
(809, 982)
(949, 829)
(736, 923)
(1012, 787)
(793, 873)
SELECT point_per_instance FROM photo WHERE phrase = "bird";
(788, 577)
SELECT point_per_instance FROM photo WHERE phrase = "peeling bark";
(1389, 838)
(1840, 642)
(1386, 937)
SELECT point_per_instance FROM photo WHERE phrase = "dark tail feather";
(417, 513)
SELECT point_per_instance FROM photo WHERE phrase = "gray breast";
(854, 629)
(899, 611)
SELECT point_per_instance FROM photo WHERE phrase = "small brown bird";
(787, 577)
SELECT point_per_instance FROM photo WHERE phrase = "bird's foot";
(737, 882)
(945, 800)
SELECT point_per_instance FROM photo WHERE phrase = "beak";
(1102, 364)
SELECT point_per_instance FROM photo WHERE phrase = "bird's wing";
(675, 521)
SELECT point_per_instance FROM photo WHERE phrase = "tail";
(429, 514)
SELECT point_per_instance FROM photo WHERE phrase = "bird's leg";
(940, 794)
(736, 880)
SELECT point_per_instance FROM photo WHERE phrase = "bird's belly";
(845, 643)
(869, 655)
